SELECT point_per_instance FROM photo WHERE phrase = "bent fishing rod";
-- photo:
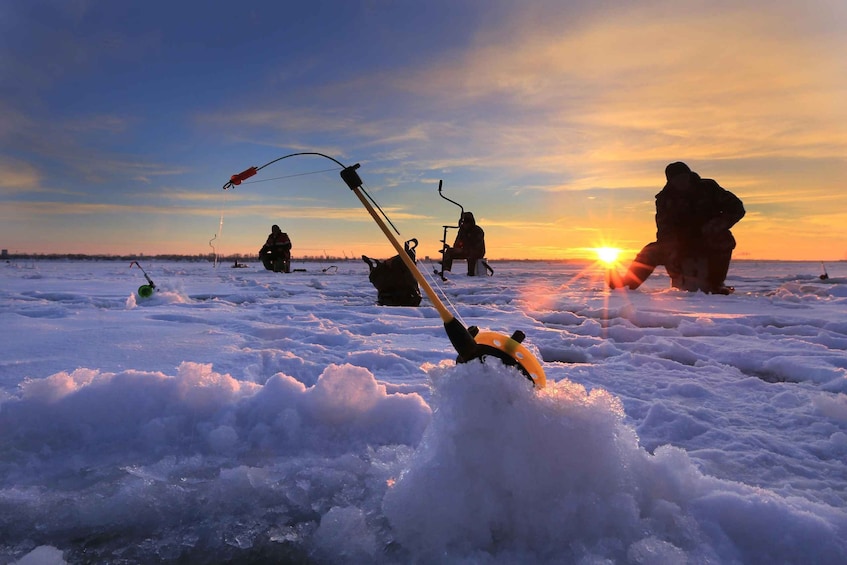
(145, 290)
(469, 343)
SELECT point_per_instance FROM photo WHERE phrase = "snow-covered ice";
(244, 415)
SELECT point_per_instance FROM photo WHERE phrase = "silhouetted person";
(469, 244)
(276, 252)
(693, 241)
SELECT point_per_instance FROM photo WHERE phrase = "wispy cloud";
(16, 176)
(44, 209)
(633, 87)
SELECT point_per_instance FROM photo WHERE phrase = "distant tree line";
(199, 258)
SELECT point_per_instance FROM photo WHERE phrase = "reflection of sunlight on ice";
(569, 293)
(540, 297)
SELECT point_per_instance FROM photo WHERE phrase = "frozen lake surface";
(239, 414)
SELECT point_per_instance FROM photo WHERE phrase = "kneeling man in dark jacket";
(693, 241)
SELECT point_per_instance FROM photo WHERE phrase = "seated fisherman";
(693, 241)
(276, 252)
(469, 244)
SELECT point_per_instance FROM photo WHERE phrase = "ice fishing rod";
(145, 290)
(469, 343)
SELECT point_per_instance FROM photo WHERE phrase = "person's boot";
(446, 263)
(723, 289)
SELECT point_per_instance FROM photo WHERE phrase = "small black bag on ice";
(395, 284)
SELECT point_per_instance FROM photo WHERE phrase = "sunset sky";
(551, 120)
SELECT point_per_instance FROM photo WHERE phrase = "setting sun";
(608, 255)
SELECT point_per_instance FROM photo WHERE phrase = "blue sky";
(551, 121)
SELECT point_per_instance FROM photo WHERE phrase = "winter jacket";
(276, 243)
(471, 238)
(697, 217)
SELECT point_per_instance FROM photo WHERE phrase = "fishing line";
(219, 234)
(292, 176)
(239, 178)
(444, 297)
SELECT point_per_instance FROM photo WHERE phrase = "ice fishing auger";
(470, 343)
(145, 290)
(444, 244)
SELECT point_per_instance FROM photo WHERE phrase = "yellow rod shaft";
(445, 314)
